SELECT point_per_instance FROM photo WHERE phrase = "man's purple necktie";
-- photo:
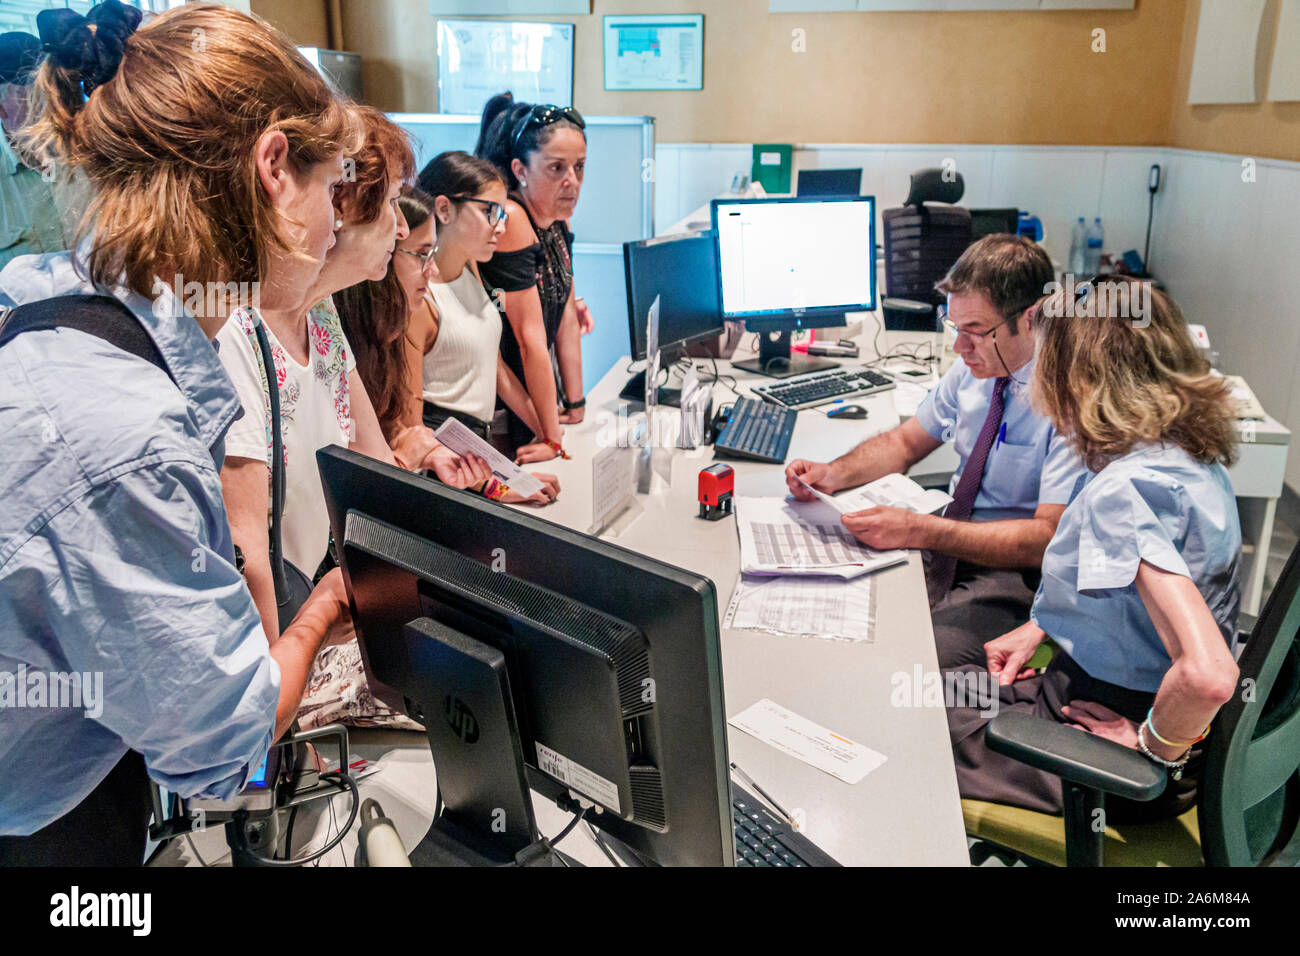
(943, 567)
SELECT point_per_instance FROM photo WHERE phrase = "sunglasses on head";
(544, 115)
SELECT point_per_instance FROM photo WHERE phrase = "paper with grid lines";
(784, 536)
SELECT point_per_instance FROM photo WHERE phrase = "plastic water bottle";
(1096, 240)
(1078, 244)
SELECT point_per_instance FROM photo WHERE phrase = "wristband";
(557, 447)
(1172, 743)
(494, 490)
(570, 406)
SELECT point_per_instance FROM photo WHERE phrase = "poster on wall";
(654, 52)
(479, 58)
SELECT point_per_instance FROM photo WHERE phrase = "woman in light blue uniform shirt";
(1140, 582)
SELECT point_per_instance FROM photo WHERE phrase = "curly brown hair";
(1123, 370)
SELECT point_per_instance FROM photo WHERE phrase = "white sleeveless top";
(460, 371)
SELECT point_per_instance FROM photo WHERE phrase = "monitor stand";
(775, 360)
(469, 717)
(634, 392)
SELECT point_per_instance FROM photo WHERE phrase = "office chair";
(1248, 800)
(921, 243)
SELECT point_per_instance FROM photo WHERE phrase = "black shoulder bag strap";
(291, 586)
(99, 315)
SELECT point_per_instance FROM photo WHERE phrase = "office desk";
(906, 811)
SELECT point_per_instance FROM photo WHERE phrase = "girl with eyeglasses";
(377, 317)
(541, 152)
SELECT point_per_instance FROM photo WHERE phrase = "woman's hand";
(572, 416)
(455, 471)
(1102, 721)
(1008, 654)
(535, 451)
(550, 491)
(585, 321)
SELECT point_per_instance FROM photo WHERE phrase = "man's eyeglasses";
(495, 211)
(977, 336)
(543, 115)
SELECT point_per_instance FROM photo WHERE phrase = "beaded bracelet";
(1175, 765)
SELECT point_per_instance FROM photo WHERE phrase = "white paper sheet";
(805, 607)
(462, 441)
(784, 536)
(812, 743)
(892, 491)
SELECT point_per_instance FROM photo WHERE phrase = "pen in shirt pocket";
(1002, 435)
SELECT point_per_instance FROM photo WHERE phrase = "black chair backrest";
(1249, 802)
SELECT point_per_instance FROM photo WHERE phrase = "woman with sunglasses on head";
(322, 398)
(376, 316)
(1140, 584)
(542, 153)
(116, 557)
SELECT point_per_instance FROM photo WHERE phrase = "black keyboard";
(764, 839)
(818, 388)
(756, 431)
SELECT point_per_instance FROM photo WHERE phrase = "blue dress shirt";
(116, 560)
(1156, 504)
(1029, 464)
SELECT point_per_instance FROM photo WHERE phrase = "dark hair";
(456, 173)
(1013, 271)
(416, 206)
(501, 117)
(374, 316)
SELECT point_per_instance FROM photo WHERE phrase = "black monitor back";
(676, 610)
(829, 182)
(991, 222)
(683, 272)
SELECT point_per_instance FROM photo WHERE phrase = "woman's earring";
(522, 184)
(338, 223)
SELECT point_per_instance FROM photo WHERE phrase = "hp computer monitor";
(539, 657)
(786, 264)
(829, 182)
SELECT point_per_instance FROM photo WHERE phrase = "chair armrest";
(1076, 756)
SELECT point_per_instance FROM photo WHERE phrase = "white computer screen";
(790, 256)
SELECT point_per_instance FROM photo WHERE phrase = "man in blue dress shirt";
(1016, 473)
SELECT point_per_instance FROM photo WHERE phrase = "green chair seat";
(1041, 836)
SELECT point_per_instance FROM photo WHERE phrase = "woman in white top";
(455, 363)
(322, 398)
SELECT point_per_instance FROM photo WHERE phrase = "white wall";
(1227, 249)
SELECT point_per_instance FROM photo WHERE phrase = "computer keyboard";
(756, 431)
(764, 839)
(818, 388)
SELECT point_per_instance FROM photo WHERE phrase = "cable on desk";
(568, 828)
(194, 850)
(345, 782)
(600, 842)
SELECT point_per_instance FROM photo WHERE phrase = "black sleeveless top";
(547, 264)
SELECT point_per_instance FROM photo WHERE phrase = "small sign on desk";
(613, 484)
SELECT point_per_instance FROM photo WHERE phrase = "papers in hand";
(893, 491)
(783, 536)
(461, 441)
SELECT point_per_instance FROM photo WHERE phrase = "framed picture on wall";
(479, 58)
(654, 52)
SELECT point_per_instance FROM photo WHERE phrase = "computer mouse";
(847, 411)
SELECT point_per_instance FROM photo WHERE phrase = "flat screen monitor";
(682, 271)
(829, 182)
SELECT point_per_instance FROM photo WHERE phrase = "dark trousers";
(984, 603)
(985, 775)
(108, 828)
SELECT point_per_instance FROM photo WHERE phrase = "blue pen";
(1002, 435)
